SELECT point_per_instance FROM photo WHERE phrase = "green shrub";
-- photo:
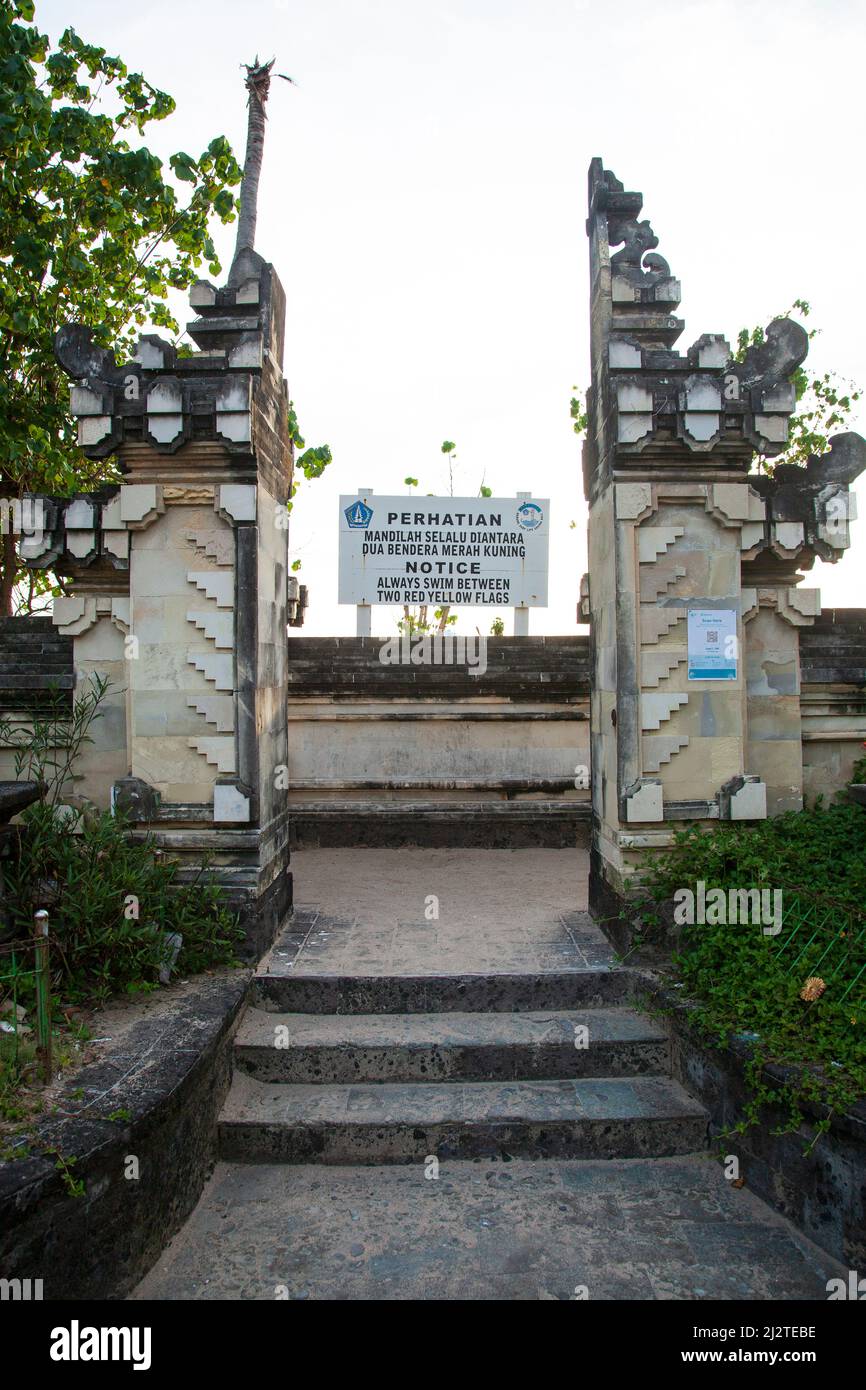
(823, 849)
(749, 984)
(113, 902)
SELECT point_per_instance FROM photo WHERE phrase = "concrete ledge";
(165, 1077)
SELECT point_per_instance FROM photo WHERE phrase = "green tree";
(310, 464)
(825, 402)
(91, 231)
(578, 411)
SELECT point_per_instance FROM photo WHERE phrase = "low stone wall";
(822, 1192)
(36, 677)
(383, 753)
(35, 659)
(833, 699)
(163, 1079)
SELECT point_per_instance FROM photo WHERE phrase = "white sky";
(424, 201)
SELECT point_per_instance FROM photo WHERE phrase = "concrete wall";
(375, 735)
(833, 699)
(375, 743)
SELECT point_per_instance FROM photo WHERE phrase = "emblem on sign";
(358, 516)
(529, 516)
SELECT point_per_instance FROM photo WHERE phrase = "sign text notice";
(444, 550)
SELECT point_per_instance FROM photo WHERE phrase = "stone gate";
(221, 728)
(678, 525)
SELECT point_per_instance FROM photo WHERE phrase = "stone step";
(385, 820)
(345, 1049)
(266, 1122)
(508, 992)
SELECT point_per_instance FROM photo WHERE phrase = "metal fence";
(824, 939)
(25, 983)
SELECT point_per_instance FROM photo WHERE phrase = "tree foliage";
(92, 230)
(751, 984)
(825, 401)
(310, 464)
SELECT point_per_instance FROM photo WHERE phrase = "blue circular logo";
(529, 516)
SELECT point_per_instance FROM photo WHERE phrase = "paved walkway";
(624, 1229)
(542, 1228)
(371, 911)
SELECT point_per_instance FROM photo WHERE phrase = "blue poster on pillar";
(712, 644)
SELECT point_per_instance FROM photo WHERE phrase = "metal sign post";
(521, 611)
(364, 611)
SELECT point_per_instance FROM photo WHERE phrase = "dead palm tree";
(258, 82)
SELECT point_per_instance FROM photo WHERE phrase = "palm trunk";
(258, 82)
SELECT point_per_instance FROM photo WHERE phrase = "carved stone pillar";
(200, 524)
(690, 557)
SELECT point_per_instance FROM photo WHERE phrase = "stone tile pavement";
(366, 911)
(525, 1230)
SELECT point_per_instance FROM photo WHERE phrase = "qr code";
(712, 636)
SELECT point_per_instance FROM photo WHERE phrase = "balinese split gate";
(226, 731)
(702, 683)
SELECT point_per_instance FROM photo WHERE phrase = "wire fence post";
(43, 991)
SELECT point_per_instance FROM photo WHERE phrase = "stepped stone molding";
(656, 709)
(168, 401)
(73, 616)
(658, 664)
(660, 748)
(799, 607)
(217, 667)
(217, 622)
(218, 627)
(220, 752)
(656, 622)
(657, 580)
(217, 545)
(218, 710)
(94, 530)
(217, 585)
(653, 541)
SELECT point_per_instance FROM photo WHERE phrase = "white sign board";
(712, 644)
(444, 550)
